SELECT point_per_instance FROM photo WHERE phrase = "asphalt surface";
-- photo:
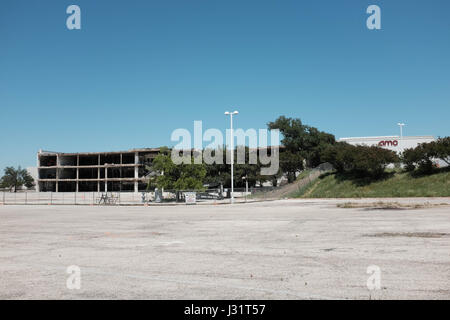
(287, 249)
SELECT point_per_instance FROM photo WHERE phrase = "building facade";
(94, 171)
(394, 143)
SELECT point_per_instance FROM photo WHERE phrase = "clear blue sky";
(137, 70)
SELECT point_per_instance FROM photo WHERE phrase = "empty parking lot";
(287, 249)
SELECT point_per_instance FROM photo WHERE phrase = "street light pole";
(246, 186)
(401, 129)
(232, 150)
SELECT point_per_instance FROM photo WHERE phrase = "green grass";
(398, 184)
(303, 174)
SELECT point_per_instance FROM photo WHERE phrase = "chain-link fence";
(162, 196)
(124, 198)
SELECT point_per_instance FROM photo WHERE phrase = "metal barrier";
(112, 198)
(128, 198)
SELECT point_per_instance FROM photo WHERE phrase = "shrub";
(442, 149)
(361, 161)
(422, 157)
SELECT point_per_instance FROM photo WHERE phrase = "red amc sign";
(385, 143)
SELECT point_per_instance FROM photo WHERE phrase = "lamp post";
(232, 149)
(401, 129)
(246, 186)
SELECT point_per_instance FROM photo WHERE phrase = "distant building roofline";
(100, 152)
(386, 137)
(44, 152)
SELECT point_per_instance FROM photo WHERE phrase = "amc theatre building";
(394, 143)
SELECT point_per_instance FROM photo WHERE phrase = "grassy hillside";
(397, 185)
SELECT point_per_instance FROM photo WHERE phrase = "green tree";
(303, 140)
(15, 178)
(412, 157)
(424, 155)
(218, 173)
(442, 149)
(290, 163)
(221, 173)
(178, 177)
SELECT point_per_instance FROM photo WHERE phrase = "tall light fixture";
(401, 129)
(232, 150)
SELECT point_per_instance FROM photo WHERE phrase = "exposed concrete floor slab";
(287, 249)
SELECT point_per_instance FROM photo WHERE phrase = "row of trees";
(303, 146)
(359, 161)
(307, 146)
(195, 176)
(371, 161)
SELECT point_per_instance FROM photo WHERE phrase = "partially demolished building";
(94, 171)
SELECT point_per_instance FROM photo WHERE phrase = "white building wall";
(394, 143)
(33, 172)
